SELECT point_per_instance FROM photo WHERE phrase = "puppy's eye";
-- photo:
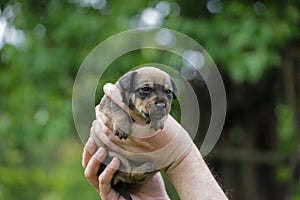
(168, 92)
(145, 90)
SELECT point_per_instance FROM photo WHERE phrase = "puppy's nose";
(161, 104)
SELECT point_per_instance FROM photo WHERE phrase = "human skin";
(153, 189)
(187, 172)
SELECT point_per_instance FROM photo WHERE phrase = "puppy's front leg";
(120, 119)
(121, 122)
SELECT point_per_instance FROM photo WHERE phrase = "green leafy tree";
(43, 43)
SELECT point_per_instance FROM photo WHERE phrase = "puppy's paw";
(121, 133)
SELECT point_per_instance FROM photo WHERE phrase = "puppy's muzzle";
(158, 109)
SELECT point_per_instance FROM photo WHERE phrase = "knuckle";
(87, 173)
(106, 130)
(90, 146)
(101, 178)
(94, 123)
(92, 132)
(100, 154)
(106, 121)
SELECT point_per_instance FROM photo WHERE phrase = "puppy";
(148, 92)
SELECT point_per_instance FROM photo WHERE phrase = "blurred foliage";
(244, 43)
(286, 129)
(40, 151)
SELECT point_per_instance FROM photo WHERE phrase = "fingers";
(98, 126)
(102, 117)
(108, 89)
(114, 94)
(88, 150)
(93, 165)
(106, 177)
(97, 111)
(90, 147)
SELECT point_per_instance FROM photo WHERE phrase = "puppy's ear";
(174, 89)
(126, 81)
(126, 84)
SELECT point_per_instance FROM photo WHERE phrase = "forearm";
(197, 182)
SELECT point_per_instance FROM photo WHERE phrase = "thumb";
(114, 94)
(108, 89)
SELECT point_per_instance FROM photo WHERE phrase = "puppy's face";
(149, 92)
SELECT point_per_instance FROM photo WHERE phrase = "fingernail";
(106, 88)
(100, 154)
(100, 150)
(115, 163)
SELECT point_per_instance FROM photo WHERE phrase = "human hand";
(173, 139)
(171, 150)
(152, 189)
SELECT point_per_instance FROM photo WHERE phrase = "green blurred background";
(255, 44)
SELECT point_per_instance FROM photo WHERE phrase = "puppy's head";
(148, 92)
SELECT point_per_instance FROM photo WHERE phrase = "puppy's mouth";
(140, 116)
(147, 117)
